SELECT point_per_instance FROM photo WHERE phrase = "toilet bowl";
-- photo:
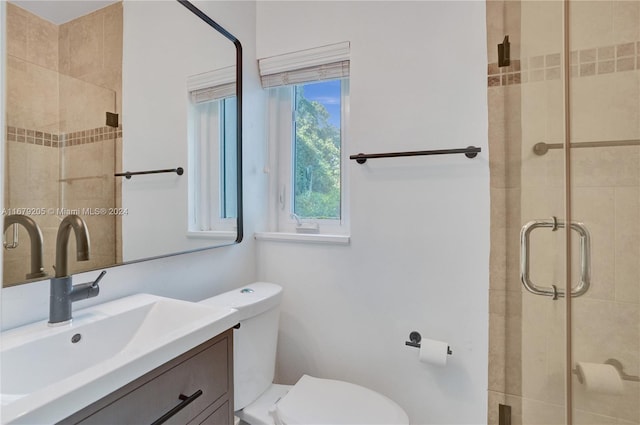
(311, 400)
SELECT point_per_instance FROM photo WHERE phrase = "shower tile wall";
(56, 103)
(527, 332)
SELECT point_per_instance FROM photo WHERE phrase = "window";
(308, 111)
(308, 124)
(212, 163)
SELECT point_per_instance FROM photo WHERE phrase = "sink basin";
(48, 373)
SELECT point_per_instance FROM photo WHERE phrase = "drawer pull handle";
(186, 400)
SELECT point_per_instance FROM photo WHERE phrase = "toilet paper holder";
(617, 365)
(414, 341)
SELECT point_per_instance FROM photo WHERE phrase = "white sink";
(45, 376)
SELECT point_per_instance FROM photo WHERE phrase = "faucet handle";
(83, 291)
(98, 279)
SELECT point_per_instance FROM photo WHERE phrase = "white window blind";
(213, 85)
(213, 93)
(330, 71)
(317, 64)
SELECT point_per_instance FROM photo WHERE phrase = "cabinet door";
(206, 371)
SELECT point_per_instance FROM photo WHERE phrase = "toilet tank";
(254, 344)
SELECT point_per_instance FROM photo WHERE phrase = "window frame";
(206, 129)
(281, 118)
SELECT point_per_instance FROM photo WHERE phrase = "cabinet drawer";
(219, 417)
(205, 370)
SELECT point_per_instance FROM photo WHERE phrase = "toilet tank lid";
(250, 300)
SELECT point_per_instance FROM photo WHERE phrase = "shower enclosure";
(564, 123)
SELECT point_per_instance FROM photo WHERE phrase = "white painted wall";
(189, 276)
(418, 259)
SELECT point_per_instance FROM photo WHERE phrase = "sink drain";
(76, 338)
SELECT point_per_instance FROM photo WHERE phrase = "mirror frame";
(213, 24)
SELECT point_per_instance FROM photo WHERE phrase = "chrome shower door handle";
(585, 258)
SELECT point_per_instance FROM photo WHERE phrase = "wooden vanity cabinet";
(194, 388)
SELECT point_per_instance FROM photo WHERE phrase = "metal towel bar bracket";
(585, 258)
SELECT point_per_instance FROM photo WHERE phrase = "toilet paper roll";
(434, 352)
(600, 378)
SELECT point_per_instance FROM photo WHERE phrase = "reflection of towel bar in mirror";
(127, 174)
(73, 179)
(542, 147)
(470, 152)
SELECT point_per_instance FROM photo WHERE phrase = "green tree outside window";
(317, 160)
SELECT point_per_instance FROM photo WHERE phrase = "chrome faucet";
(62, 291)
(35, 237)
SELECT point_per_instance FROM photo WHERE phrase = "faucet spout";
(62, 291)
(82, 242)
(35, 238)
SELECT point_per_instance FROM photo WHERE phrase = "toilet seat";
(326, 401)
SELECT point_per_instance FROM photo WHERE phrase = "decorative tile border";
(34, 137)
(584, 63)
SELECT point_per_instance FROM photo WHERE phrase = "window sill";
(213, 234)
(303, 238)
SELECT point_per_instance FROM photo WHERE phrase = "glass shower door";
(528, 337)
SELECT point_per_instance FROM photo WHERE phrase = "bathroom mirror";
(133, 124)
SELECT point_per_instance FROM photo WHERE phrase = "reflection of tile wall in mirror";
(60, 82)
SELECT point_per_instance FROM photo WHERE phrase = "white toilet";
(311, 400)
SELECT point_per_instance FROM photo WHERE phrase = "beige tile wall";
(91, 49)
(32, 102)
(32, 64)
(61, 80)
